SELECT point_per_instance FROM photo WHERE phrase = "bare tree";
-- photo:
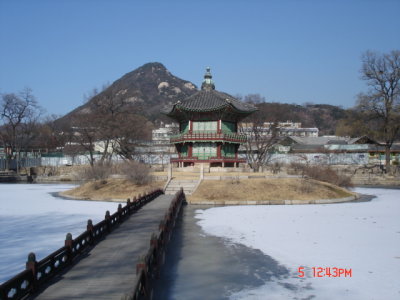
(86, 133)
(19, 115)
(260, 141)
(133, 129)
(110, 122)
(111, 112)
(254, 98)
(94, 92)
(381, 104)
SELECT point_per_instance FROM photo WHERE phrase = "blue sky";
(288, 51)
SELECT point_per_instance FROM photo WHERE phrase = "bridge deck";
(109, 270)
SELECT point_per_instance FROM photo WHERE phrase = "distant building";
(162, 135)
(287, 128)
(362, 149)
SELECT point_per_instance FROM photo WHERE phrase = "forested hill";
(323, 116)
(148, 88)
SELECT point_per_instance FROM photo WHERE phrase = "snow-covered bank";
(363, 237)
(33, 220)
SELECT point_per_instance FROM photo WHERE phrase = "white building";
(162, 135)
(287, 128)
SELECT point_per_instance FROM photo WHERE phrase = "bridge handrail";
(149, 265)
(39, 273)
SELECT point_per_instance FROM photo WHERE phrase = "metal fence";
(322, 158)
(26, 162)
(164, 159)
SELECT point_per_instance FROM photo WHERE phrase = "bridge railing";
(150, 264)
(38, 273)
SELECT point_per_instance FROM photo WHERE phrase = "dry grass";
(267, 189)
(111, 190)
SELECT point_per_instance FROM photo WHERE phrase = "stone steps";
(176, 184)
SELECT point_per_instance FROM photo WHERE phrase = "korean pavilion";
(208, 127)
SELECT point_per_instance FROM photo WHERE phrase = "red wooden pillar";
(219, 150)
(190, 151)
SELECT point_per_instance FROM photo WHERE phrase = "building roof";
(208, 99)
(330, 140)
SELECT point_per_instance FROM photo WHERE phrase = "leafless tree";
(19, 115)
(85, 134)
(110, 121)
(120, 127)
(260, 141)
(254, 98)
(94, 92)
(381, 104)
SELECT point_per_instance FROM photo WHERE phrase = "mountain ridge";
(151, 86)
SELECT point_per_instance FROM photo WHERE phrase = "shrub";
(296, 168)
(137, 173)
(99, 171)
(322, 173)
(276, 167)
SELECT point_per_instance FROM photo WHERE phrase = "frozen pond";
(362, 237)
(32, 219)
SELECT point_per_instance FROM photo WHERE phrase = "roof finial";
(208, 83)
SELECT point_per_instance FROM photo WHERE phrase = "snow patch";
(363, 236)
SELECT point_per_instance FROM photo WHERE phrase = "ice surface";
(363, 236)
(33, 220)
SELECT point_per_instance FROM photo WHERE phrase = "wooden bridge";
(98, 265)
(8, 176)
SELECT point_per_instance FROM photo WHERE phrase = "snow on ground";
(363, 237)
(33, 220)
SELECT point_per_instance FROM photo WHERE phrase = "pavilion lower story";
(215, 162)
(216, 154)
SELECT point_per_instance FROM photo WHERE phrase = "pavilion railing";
(213, 158)
(38, 273)
(209, 136)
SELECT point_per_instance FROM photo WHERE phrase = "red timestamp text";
(326, 272)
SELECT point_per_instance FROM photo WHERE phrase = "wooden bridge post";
(134, 203)
(31, 264)
(68, 243)
(154, 243)
(141, 265)
(141, 271)
(128, 205)
(120, 213)
(107, 217)
(89, 228)
(154, 240)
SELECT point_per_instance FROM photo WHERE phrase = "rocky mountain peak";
(147, 89)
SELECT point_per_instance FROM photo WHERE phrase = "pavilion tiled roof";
(210, 100)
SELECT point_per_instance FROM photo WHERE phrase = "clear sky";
(288, 51)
